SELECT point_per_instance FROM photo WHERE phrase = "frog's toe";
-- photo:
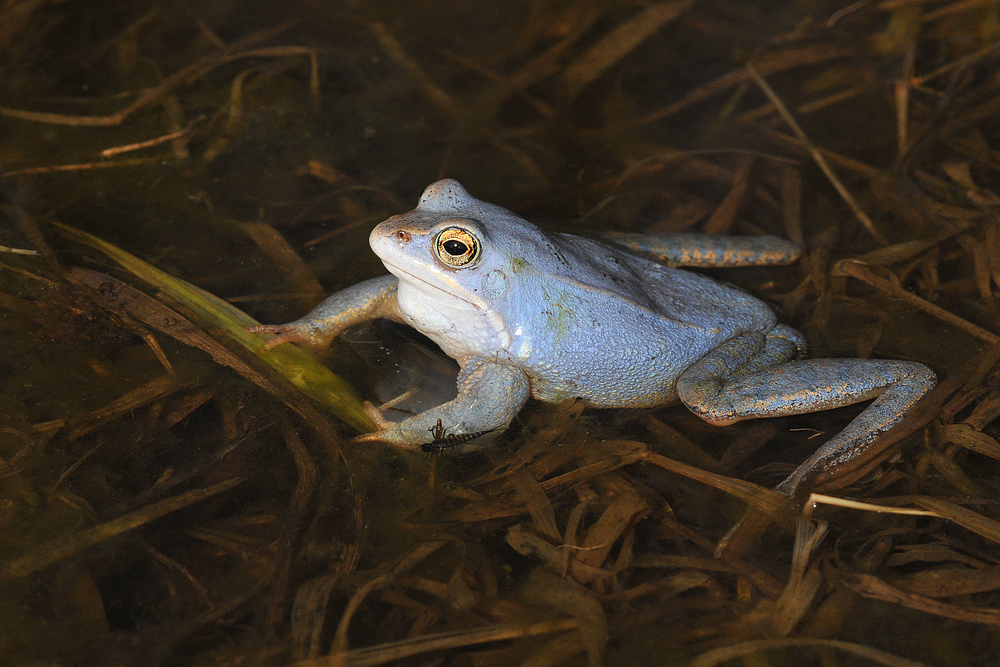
(290, 333)
(391, 434)
(280, 339)
(264, 328)
(384, 426)
(374, 436)
(376, 416)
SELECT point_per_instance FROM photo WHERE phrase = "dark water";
(529, 106)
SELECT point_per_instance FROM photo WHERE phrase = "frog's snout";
(390, 239)
(389, 230)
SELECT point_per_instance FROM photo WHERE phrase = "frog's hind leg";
(739, 380)
(710, 250)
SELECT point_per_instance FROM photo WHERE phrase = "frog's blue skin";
(555, 316)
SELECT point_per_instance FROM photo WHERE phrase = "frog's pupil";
(455, 248)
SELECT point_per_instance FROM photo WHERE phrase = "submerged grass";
(157, 508)
(297, 366)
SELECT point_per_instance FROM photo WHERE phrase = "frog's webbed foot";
(489, 397)
(387, 430)
(731, 384)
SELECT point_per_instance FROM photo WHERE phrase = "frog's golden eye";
(457, 247)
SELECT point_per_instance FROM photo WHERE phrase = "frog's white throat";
(462, 327)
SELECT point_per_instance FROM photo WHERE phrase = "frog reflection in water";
(555, 316)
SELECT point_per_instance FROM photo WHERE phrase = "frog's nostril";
(403, 237)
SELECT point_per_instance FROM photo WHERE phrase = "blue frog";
(527, 313)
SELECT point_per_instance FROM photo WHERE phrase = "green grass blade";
(300, 367)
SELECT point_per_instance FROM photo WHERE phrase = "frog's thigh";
(704, 387)
(781, 345)
(489, 397)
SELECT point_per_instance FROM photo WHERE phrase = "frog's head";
(453, 246)
(457, 258)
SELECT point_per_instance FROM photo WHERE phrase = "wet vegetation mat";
(172, 172)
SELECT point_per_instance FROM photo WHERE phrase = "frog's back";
(617, 329)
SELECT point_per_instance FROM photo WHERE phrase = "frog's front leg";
(359, 303)
(710, 250)
(729, 385)
(489, 396)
